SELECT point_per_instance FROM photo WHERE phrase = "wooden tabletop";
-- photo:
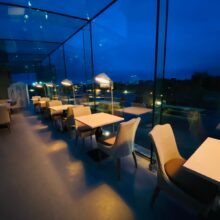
(99, 119)
(133, 110)
(60, 107)
(206, 160)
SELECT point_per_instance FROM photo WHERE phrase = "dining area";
(81, 155)
(109, 110)
(194, 182)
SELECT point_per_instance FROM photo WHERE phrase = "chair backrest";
(165, 145)
(124, 143)
(4, 115)
(36, 97)
(54, 103)
(45, 99)
(70, 110)
(81, 111)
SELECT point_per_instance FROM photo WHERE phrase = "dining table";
(135, 110)
(205, 161)
(96, 121)
(61, 107)
(99, 119)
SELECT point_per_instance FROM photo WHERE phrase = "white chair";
(68, 122)
(17, 106)
(173, 178)
(82, 130)
(5, 116)
(35, 99)
(122, 144)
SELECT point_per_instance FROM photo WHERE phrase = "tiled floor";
(43, 176)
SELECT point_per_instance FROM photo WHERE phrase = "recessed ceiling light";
(26, 16)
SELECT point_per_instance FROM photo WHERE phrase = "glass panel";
(74, 54)
(77, 56)
(58, 65)
(191, 86)
(35, 25)
(85, 8)
(27, 78)
(124, 49)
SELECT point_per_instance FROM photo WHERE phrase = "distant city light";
(125, 92)
(46, 16)
(31, 90)
(29, 4)
(158, 103)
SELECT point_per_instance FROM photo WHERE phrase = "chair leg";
(83, 140)
(135, 159)
(9, 127)
(154, 196)
(76, 139)
(118, 168)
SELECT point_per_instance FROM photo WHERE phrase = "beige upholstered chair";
(17, 106)
(35, 99)
(122, 144)
(5, 116)
(68, 122)
(54, 103)
(82, 130)
(173, 178)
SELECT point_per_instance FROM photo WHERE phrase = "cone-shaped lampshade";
(103, 78)
(66, 82)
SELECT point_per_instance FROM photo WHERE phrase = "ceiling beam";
(30, 41)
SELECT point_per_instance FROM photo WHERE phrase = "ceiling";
(32, 29)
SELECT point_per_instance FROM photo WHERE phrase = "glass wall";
(58, 65)
(27, 78)
(78, 64)
(123, 47)
(191, 85)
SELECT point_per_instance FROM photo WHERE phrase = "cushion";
(108, 141)
(192, 184)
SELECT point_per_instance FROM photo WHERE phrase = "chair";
(68, 122)
(82, 130)
(50, 113)
(173, 178)
(17, 106)
(5, 117)
(35, 99)
(122, 144)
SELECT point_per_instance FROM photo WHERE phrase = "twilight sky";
(125, 38)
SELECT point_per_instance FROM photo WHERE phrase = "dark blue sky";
(125, 38)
